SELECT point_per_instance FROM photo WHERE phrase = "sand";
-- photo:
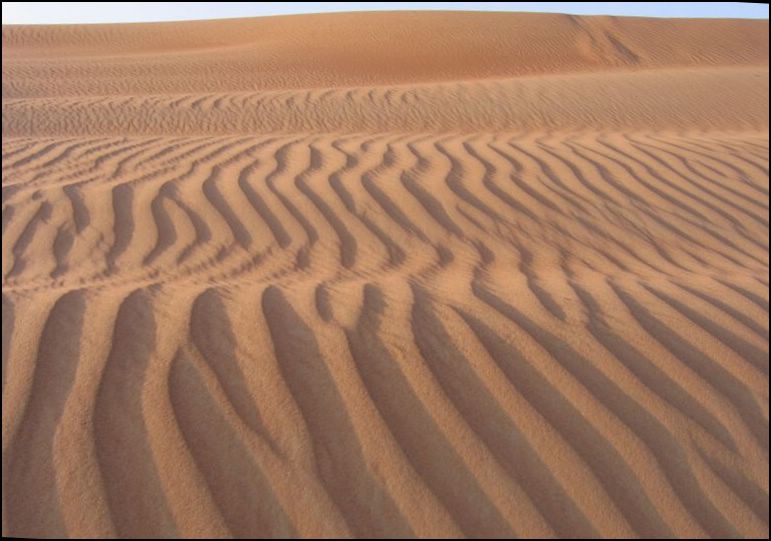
(435, 274)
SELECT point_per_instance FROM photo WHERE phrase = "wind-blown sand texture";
(386, 274)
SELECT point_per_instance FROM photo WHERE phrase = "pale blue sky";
(103, 12)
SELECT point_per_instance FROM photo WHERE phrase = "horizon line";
(230, 11)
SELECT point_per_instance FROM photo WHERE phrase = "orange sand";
(433, 274)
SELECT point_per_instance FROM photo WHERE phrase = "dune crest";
(402, 274)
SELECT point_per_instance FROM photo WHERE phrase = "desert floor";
(386, 275)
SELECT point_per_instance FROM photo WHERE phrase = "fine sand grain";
(386, 275)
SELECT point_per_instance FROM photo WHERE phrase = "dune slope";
(386, 275)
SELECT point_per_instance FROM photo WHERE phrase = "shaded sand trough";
(395, 274)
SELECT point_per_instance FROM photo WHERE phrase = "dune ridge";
(386, 275)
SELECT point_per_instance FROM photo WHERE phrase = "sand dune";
(386, 275)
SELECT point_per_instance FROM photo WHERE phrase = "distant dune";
(402, 274)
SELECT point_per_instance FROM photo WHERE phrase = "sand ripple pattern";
(401, 334)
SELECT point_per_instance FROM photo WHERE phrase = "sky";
(112, 12)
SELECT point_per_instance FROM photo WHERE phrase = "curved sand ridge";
(498, 275)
